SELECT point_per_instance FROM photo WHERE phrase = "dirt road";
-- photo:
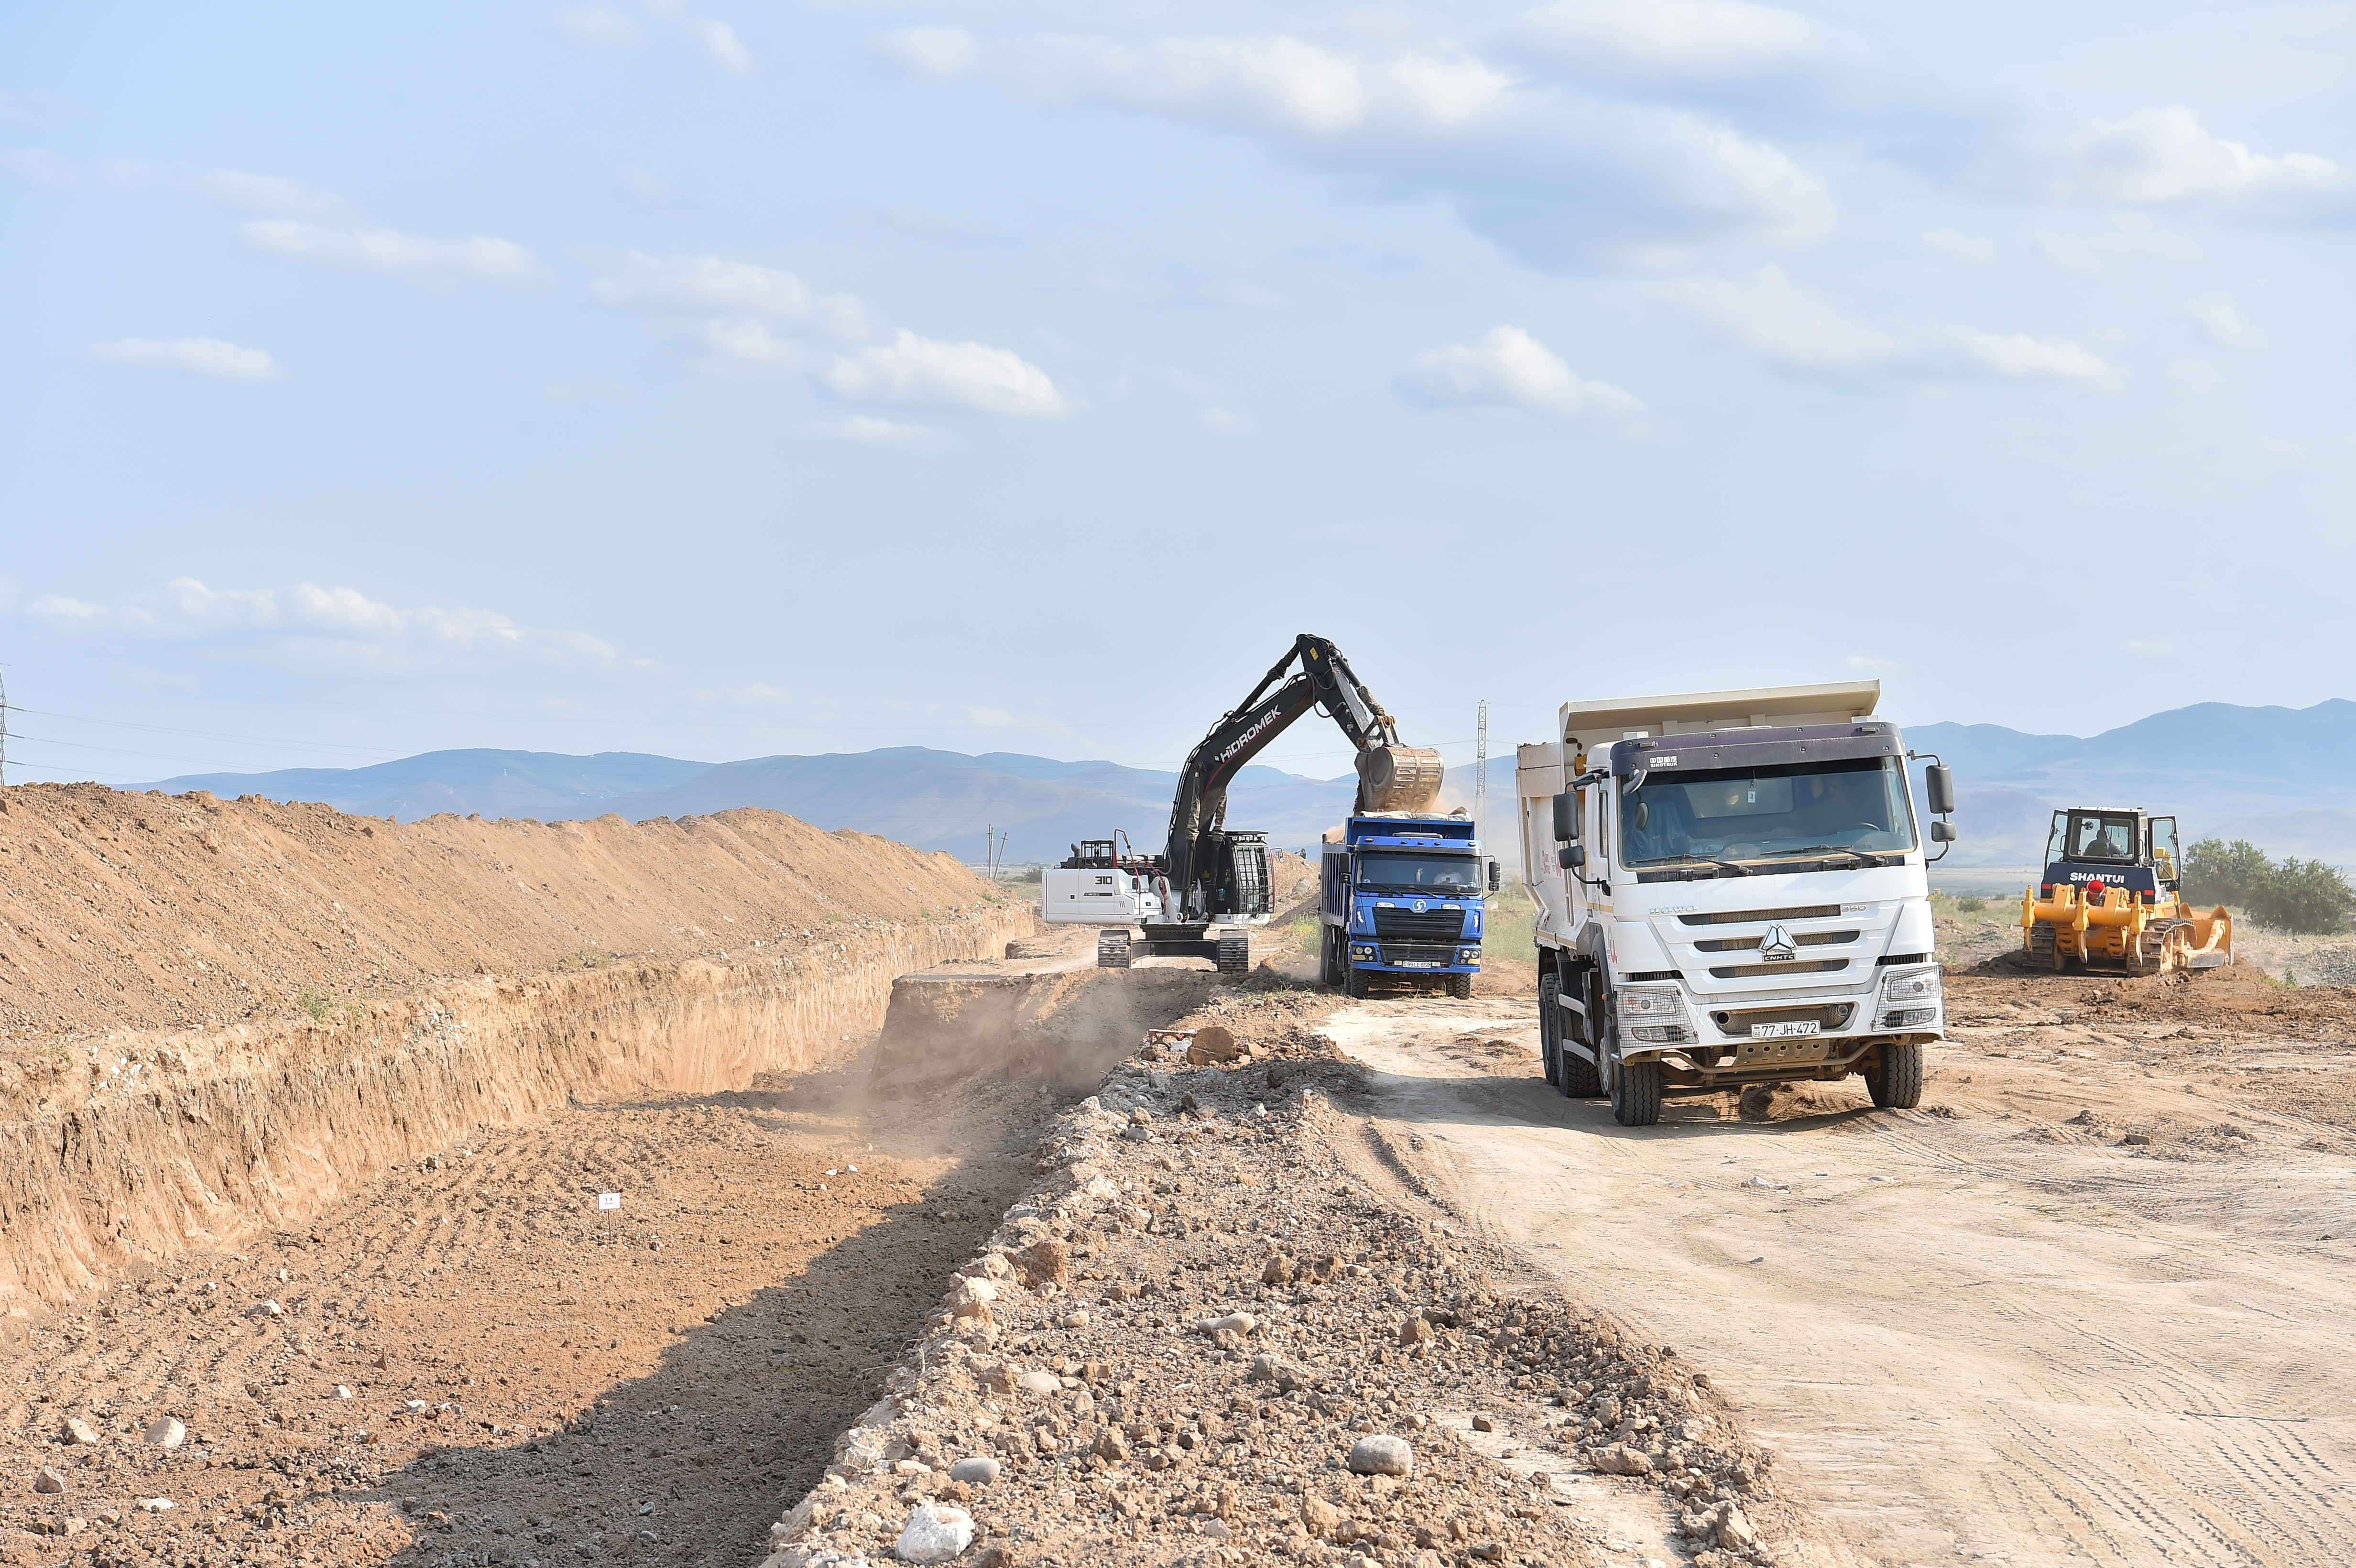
(1992, 1330)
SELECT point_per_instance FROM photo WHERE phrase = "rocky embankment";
(1200, 1342)
(218, 1017)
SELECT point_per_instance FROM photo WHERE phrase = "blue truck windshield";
(1447, 876)
(1760, 814)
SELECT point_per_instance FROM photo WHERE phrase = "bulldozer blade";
(1400, 778)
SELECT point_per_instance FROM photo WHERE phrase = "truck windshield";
(1762, 813)
(1447, 876)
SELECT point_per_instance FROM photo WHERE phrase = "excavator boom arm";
(1323, 679)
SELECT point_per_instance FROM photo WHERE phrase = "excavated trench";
(381, 1298)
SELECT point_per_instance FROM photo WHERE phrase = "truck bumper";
(1376, 958)
(1735, 1064)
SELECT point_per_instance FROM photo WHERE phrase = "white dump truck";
(1730, 891)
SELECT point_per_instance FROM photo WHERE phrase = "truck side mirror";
(1495, 881)
(1939, 784)
(1566, 817)
(1574, 857)
(1943, 832)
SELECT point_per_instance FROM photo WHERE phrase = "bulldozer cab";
(2122, 838)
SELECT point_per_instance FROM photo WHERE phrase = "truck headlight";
(1910, 998)
(1655, 1015)
(1469, 955)
(1911, 985)
(1364, 952)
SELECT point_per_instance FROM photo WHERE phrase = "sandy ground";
(2092, 1304)
(631, 1385)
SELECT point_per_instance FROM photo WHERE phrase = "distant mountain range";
(2283, 778)
(935, 800)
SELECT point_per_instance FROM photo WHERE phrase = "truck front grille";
(1761, 916)
(1419, 953)
(1432, 925)
(1754, 971)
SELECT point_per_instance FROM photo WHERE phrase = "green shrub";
(1971, 905)
(318, 1004)
(2295, 895)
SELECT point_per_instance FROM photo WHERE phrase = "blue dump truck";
(1400, 898)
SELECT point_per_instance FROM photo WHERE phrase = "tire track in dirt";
(1968, 1336)
(530, 1378)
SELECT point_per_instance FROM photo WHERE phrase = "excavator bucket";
(1399, 778)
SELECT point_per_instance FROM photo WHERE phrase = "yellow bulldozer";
(2112, 894)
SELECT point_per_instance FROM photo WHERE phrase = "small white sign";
(609, 1200)
(1860, 908)
(1784, 1031)
(1663, 762)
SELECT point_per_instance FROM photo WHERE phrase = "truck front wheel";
(1895, 1081)
(1354, 982)
(1636, 1093)
(1461, 986)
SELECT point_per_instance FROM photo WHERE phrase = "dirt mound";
(156, 911)
(1066, 1028)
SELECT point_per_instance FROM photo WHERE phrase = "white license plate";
(1784, 1031)
(1414, 964)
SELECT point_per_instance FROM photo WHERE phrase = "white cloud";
(2194, 375)
(1962, 246)
(720, 42)
(1796, 333)
(926, 373)
(2165, 157)
(1226, 422)
(2223, 324)
(1666, 40)
(710, 284)
(740, 345)
(388, 250)
(39, 165)
(598, 27)
(265, 193)
(199, 356)
(866, 430)
(341, 624)
(1508, 368)
(1561, 180)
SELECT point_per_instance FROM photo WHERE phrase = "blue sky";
(773, 377)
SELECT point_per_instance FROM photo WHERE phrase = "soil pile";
(155, 911)
(1201, 1343)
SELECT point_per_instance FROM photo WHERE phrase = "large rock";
(1044, 1263)
(935, 1533)
(76, 1429)
(49, 1481)
(1619, 1459)
(1040, 1383)
(1212, 1044)
(1382, 1455)
(166, 1431)
(975, 1470)
(1320, 1518)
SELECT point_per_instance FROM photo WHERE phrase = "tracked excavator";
(1197, 898)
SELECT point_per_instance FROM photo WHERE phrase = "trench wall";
(131, 1148)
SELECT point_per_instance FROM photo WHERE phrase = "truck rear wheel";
(1112, 950)
(1329, 956)
(1895, 1081)
(1636, 1094)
